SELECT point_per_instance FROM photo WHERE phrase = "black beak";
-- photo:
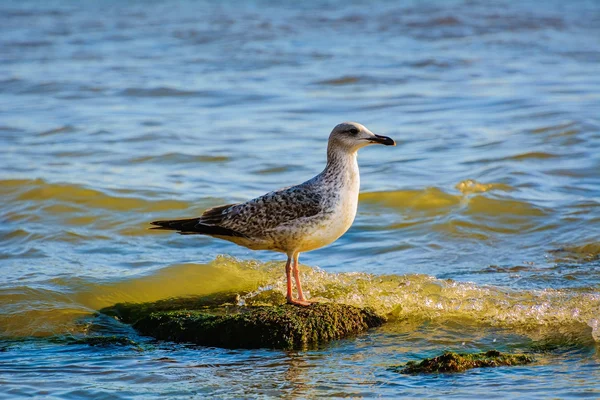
(383, 140)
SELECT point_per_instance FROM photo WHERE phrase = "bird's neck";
(342, 166)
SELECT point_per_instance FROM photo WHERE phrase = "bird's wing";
(253, 218)
(258, 216)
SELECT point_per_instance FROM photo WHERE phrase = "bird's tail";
(182, 225)
(191, 226)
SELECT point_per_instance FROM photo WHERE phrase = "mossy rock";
(454, 362)
(216, 321)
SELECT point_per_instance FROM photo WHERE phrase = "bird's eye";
(353, 131)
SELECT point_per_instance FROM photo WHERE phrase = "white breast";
(341, 216)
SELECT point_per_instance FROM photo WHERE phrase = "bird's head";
(352, 136)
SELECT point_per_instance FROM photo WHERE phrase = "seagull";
(294, 219)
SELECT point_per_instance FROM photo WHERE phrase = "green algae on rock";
(216, 321)
(455, 362)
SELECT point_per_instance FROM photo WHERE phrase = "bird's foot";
(298, 302)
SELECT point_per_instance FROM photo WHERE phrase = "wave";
(66, 197)
(478, 209)
(470, 210)
(75, 213)
(163, 92)
(57, 306)
(178, 158)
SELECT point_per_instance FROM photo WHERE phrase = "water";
(480, 230)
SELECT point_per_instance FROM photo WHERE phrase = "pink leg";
(288, 275)
(301, 298)
(289, 266)
(297, 276)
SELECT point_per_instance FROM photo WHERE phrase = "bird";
(294, 219)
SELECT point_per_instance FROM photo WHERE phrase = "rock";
(453, 362)
(217, 321)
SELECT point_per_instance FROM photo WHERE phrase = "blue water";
(479, 230)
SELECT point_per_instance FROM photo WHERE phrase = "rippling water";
(480, 230)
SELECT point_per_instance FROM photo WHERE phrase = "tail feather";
(190, 226)
(176, 224)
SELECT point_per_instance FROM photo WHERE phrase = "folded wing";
(254, 218)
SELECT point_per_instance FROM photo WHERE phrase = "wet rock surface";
(218, 321)
(455, 362)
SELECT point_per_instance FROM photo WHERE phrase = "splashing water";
(400, 297)
(425, 297)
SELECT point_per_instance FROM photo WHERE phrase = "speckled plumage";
(283, 220)
(298, 218)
